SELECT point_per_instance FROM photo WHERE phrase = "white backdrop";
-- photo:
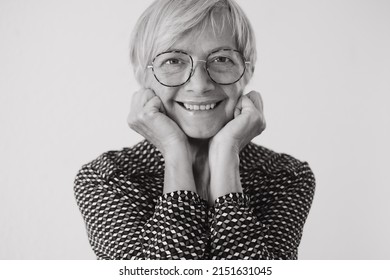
(65, 90)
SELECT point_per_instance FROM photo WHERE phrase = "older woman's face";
(200, 90)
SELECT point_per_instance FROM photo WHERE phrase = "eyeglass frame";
(193, 68)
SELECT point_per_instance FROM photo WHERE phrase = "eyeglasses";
(175, 68)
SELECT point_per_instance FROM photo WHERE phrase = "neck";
(199, 147)
(200, 165)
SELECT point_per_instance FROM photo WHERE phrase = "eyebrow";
(210, 51)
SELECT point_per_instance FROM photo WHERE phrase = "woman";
(196, 187)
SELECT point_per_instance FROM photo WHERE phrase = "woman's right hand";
(148, 117)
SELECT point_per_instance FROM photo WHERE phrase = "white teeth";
(199, 107)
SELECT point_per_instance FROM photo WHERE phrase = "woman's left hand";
(225, 146)
(248, 122)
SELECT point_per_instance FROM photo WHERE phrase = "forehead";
(201, 42)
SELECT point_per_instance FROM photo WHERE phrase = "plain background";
(65, 91)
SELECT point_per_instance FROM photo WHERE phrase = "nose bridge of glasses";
(195, 64)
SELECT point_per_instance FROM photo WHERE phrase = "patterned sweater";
(127, 216)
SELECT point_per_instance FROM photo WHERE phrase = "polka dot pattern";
(127, 216)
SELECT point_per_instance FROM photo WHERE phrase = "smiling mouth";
(201, 107)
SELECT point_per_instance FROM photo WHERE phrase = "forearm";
(224, 168)
(178, 171)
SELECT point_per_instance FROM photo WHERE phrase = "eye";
(221, 60)
(172, 61)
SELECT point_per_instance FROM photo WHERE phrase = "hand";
(148, 117)
(248, 122)
(225, 146)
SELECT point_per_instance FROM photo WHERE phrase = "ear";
(252, 69)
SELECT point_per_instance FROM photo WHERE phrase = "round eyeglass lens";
(172, 68)
(225, 66)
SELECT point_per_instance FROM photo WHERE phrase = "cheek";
(160, 90)
(166, 94)
(167, 97)
(233, 93)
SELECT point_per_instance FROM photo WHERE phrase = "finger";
(155, 105)
(257, 102)
(140, 98)
(256, 99)
(154, 100)
(146, 95)
(247, 104)
(238, 108)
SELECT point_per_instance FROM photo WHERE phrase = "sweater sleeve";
(124, 223)
(240, 231)
(178, 228)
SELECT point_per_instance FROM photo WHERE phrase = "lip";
(199, 102)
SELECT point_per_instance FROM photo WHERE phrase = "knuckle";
(148, 93)
(254, 94)
(148, 115)
(144, 116)
(251, 93)
(141, 116)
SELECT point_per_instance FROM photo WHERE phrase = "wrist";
(224, 169)
(178, 173)
(223, 144)
(177, 151)
(220, 153)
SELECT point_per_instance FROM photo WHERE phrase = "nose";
(200, 81)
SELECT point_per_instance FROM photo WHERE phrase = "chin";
(199, 133)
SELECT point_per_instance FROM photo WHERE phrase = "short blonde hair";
(165, 21)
